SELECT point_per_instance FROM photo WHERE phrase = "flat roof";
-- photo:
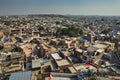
(36, 63)
(56, 56)
(83, 67)
(66, 53)
(27, 48)
(21, 76)
(62, 62)
(72, 70)
(79, 50)
(63, 76)
(100, 46)
(92, 49)
(100, 50)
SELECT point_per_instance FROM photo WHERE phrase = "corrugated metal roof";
(21, 76)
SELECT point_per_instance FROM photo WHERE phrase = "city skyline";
(72, 7)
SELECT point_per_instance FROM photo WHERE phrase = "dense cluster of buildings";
(31, 49)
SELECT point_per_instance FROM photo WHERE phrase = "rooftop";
(63, 62)
(36, 63)
(56, 56)
(21, 76)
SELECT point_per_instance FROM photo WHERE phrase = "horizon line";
(59, 14)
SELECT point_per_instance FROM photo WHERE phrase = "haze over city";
(59, 39)
(72, 7)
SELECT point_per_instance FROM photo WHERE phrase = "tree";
(105, 31)
(70, 31)
(117, 23)
(80, 31)
(7, 23)
(40, 28)
(57, 22)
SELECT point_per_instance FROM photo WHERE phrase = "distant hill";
(45, 15)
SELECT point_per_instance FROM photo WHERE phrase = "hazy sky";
(76, 7)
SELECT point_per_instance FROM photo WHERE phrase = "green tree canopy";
(70, 31)
(40, 27)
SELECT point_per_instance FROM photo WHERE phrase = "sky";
(71, 7)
